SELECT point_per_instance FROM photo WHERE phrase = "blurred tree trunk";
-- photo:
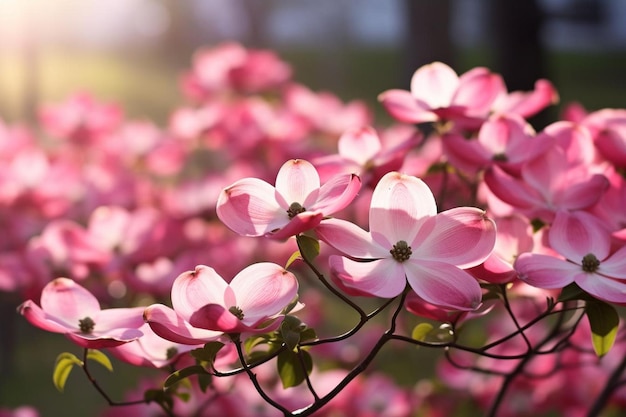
(428, 33)
(518, 53)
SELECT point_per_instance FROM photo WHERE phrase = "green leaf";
(421, 331)
(604, 321)
(184, 373)
(160, 397)
(62, 368)
(101, 358)
(308, 246)
(205, 381)
(294, 257)
(573, 292)
(207, 353)
(254, 341)
(290, 368)
(290, 336)
(308, 334)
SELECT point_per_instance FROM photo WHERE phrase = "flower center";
(86, 325)
(401, 251)
(590, 263)
(295, 209)
(237, 312)
(500, 157)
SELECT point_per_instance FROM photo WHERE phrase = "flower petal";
(216, 317)
(249, 208)
(434, 84)
(359, 145)
(381, 278)
(398, 204)
(544, 271)
(577, 234)
(462, 236)
(350, 239)
(96, 341)
(67, 301)
(37, 317)
(336, 194)
(262, 290)
(615, 265)
(194, 289)
(402, 106)
(118, 318)
(170, 326)
(477, 90)
(443, 285)
(300, 223)
(298, 182)
(607, 289)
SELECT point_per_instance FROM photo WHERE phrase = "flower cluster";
(466, 228)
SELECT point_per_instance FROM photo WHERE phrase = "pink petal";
(511, 190)
(577, 234)
(399, 203)
(37, 317)
(544, 271)
(337, 194)
(194, 289)
(468, 155)
(120, 337)
(583, 194)
(462, 236)
(402, 106)
(167, 324)
(262, 290)
(298, 182)
(607, 289)
(477, 90)
(350, 239)
(359, 144)
(216, 317)
(529, 103)
(615, 265)
(434, 84)
(67, 301)
(495, 270)
(299, 224)
(116, 318)
(249, 208)
(381, 278)
(443, 284)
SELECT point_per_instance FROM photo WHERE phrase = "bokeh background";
(132, 52)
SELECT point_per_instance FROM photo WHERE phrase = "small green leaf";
(205, 381)
(308, 334)
(294, 257)
(572, 292)
(290, 367)
(604, 321)
(160, 397)
(62, 368)
(101, 358)
(254, 341)
(290, 336)
(207, 353)
(308, 246)
(184, 373)
(421, 331)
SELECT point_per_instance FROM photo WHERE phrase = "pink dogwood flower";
(408, 240)
(439, 94)
(205, 306)
(252, 207)
(69, 308)
(587, 259)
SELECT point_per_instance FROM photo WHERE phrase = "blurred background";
(132, 52)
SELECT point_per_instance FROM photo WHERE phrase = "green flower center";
(237, 312)
(590, 263)
(401, 251)
(86, 325)
(500, 157)
(295, 209)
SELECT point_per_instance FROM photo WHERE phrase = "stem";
(255, 381)
(101, 391)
